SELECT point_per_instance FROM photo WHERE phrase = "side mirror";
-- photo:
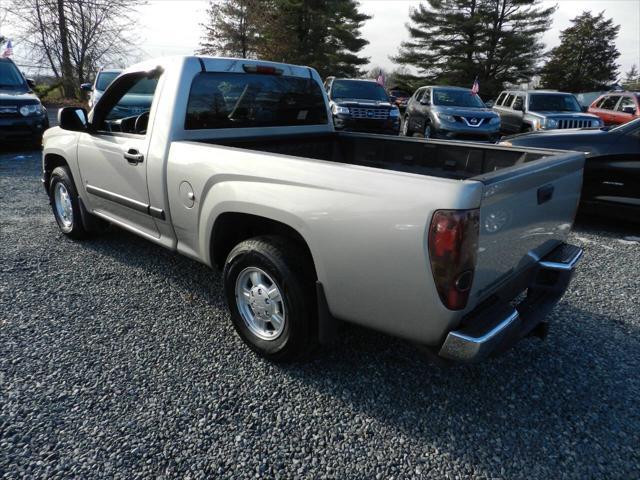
(86, 87)
(629, 110)
(31, 83)
(490, 103)
(392, 99)
(585, 108)
(424, 101)
(73, 119)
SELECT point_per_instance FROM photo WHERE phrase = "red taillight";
(453, 248)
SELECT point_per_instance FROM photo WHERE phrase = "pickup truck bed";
(455, 160)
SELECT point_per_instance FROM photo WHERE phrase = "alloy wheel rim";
(64, 208)
(260, 303)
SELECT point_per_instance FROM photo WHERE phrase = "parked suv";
(617, 108)
(527, 111)
(361, 106)
(449, 112)
(103, 79)
(22, 116)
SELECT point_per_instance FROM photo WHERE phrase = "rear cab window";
(243, 100)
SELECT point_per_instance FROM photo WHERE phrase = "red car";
(616, 108)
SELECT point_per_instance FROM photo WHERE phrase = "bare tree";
(74, 37)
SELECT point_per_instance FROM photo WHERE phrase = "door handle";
(133, 156)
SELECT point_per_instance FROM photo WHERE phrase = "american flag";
(8, 50)
(380, 79)
(476, 87)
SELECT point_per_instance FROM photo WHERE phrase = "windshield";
(10, 76)
(456, 98)
(105, 79)
(540, 102)
(358, 89)
(241, 100)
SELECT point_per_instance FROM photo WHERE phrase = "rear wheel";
(269, 288)
(64, 202)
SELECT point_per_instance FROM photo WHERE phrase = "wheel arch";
(232, 227)
(51, 161)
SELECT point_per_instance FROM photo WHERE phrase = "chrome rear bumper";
(496, 325)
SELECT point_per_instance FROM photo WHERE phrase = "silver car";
(449, 113)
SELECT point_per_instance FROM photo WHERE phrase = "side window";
(418, 94)
(599, 103)
(610, 102)
(501, 98)
(130, 113)
(509, 100)
(626, 102)
(427, 96)
(519, 103)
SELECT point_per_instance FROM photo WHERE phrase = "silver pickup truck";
(455, 246)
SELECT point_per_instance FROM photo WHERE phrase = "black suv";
(362, 106)
(22, 116)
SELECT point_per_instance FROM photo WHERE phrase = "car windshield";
(10, 76)
(540, 102)
(456, 98)
(105, 79)
(358, 89)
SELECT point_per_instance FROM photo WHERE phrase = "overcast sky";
(173, 26)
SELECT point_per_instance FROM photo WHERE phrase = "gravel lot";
(118, 359)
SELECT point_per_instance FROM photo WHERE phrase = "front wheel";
(405, 132)
(428, 131)
(270, 292)
(65, 204)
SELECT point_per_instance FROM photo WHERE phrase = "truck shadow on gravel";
(566, 404)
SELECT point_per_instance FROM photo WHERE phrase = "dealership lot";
(118, 359)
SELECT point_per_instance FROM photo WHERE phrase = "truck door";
(112, 155)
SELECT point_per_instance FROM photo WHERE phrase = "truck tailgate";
(525, 212)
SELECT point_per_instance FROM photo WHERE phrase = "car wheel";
(405, 127)
(63, 197)
(269, 287)
(428, 131)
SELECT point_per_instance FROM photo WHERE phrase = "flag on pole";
(8, 50)
(380, 79)
(476, 86)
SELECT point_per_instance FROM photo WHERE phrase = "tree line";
(449, 41)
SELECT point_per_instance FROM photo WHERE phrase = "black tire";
(428, 130)
(290, 268)
(405, 127)
(71, 227)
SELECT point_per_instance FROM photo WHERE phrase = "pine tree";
(586, 58)
(453, 41)
(632, 76)
(233, 28)
(324, 34)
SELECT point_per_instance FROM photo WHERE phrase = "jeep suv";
(22, 116)
(362, 106)
(450, 112)
(530, 110)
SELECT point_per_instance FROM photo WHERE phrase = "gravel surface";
(118, 360)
